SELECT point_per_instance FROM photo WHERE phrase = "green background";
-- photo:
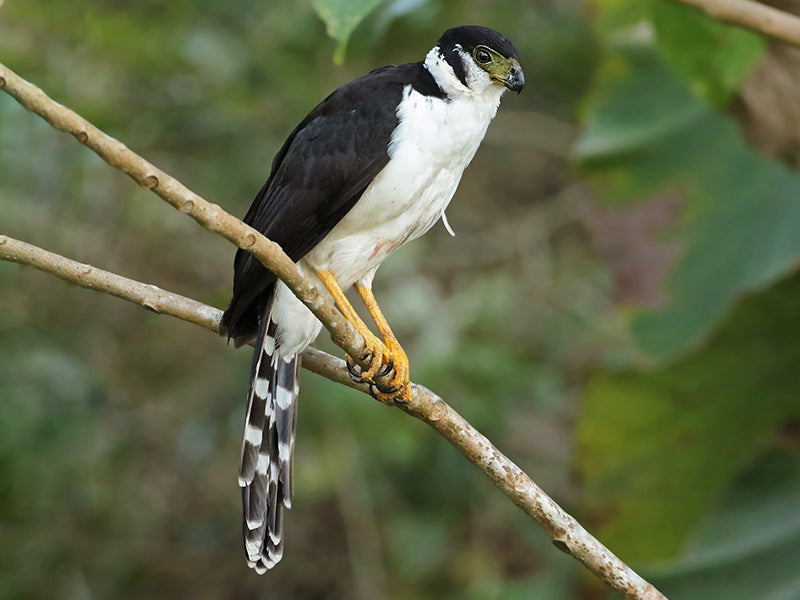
(618, 312)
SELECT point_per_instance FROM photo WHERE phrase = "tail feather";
(285, 423)
(265, 474)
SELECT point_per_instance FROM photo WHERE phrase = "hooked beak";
(515, 79)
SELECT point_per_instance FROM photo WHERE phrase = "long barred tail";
(265, 474)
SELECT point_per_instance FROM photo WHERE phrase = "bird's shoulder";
(389, 81)
(344, 140)
(319, 173)
(370, 100)
(381, 83)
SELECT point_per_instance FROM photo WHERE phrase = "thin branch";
(152, 298)
(149, 296)
(208, 215)
(755, 16)
(567, 534)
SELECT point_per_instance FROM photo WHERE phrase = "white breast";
(430, 148)
(432, 145)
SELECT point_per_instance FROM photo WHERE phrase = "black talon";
(387, 369)
(354, 370)
(400, 400)
(392, 389)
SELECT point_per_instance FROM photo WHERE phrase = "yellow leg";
(380, 354)
(401, 379)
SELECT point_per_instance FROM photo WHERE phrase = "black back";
(317, 176)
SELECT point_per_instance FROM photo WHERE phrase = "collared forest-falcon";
(371, 167)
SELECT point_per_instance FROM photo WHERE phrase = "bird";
(370, 168)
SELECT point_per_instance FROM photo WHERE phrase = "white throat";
(479, 84)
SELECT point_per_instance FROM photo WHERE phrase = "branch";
(567, 534)
(152, 298)
(208, 215)
(751, 15)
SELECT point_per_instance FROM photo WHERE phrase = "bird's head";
(479, 58)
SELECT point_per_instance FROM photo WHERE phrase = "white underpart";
(429, 150)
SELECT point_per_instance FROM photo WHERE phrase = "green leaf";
(749, 547)
(711, 56)
(636, 126)
(657, 449)
(646, 134)
(341, 17)
(614, 16)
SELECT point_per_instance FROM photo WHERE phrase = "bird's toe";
(354, 370)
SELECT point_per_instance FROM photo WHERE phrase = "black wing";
(317, 176)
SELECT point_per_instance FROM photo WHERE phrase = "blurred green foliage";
(712, 57)
(341, 17)
(668, 428)
(647, 134)
(660, 447)
(749, 545)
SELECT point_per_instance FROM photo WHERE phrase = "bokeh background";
(619, 310)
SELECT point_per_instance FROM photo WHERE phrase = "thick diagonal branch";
(567, 534)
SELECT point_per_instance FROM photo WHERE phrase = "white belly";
(431, 147)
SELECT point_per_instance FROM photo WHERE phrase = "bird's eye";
(482, 56)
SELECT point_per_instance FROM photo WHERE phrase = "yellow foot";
(378, 356)
(388, 373)
(394, 387)
(391, 386)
